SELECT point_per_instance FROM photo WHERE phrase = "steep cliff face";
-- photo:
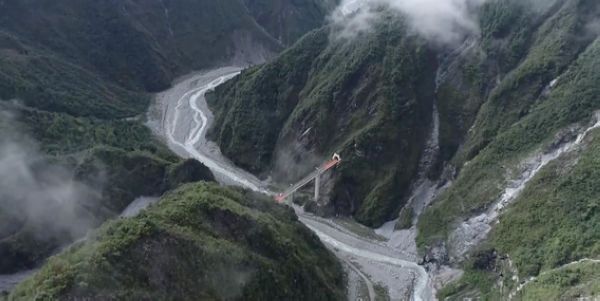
(370, 99)
(514, 103)
(544, 169)
(324, 92)
(199, 242)
(550, 89)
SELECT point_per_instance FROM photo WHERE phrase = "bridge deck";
(311, 176)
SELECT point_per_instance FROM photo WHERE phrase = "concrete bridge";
(315, 175)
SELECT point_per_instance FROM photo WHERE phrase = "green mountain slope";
(82, 71)
(324, 95)
(79, 56)
(526, 86)
(116, 161)
(553, 223)
(563, 284)
(286, 20)
(473, 120)
(200, 242)
(481, 182)
(143, 44)
(368, 99)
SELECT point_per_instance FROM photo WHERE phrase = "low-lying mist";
(440, 21)
(37, 194)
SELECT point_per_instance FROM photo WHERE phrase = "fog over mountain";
(440, 21)
(299, 150)
(35, 191)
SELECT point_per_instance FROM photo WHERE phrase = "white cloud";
(32, 189)
(440, 21)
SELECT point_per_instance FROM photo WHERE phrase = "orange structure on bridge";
(315, 175)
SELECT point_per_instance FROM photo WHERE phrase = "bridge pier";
(317, 186)
(315, 175)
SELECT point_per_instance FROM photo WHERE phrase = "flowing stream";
(188, 134)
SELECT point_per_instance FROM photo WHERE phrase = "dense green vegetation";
(252, 146)
(564, 225)
(559, 209)
(553, 46)
(570, 283)
(286, 20)
(200, 242)
(146, 45)
(479, 183)
(368, 98)
(81, 72)
(371, 99)
(50, 83)
(554, 221)
(62, 134)
(524, 86)
(120, 160)
(93, 58)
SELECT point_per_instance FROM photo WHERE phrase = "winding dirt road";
(181, 116)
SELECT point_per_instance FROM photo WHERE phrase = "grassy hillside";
(567, 283)
(200, 242)
(371, 99)
(549, 46)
